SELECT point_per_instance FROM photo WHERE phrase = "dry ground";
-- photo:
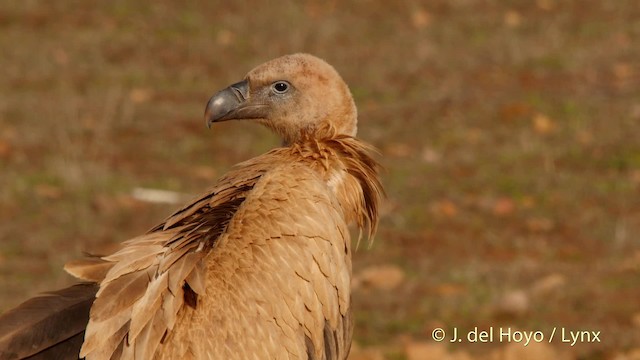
(510, 133)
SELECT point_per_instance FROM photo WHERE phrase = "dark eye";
(280, 87)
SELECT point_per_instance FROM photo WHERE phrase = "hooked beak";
(233, 103)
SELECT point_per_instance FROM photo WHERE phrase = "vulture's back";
(278, 277)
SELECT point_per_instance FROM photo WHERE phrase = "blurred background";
(509, 132)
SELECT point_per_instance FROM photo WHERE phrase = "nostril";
(241, 90)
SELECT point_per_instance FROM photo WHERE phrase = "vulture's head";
(293, 95)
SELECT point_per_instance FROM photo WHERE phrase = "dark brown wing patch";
(337, 342)
(190, 296)
(48, 323)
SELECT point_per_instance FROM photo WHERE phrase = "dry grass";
(509, 132)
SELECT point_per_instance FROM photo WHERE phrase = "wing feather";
(119, 294)
(51, 321)
(133, 263)
(111, 347)
(91, 269)
(181, 270)
(143, 289)
(170, 307)
(144, 309)
(105, 335)
(172, 257)
(150, 337)
(195, 279)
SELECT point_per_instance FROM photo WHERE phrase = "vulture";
(259, 267)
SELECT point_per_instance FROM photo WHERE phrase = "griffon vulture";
(259, 267)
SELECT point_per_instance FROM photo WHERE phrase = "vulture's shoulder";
(259, 179)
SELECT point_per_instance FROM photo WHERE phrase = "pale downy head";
(294, 95)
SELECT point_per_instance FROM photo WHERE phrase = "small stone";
(513, 303)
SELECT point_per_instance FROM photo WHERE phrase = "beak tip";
(207, 119)
(225, 104)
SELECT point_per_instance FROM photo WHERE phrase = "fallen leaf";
(444, 208)
(543, 125)
(60, 56)
(398, 150)
(546, 4)
(382, 277)
(635, 177)
(420, 18)
(425, 351)
(140, 95)
(504, 206)
(431, 156)
(622, 71)
(449, 289)
(225, 37)
(635, 112)
(8, 132)
(539, 224)
(548, 284)
(317, 9)
(88, 122)
(533, 351)
(633, 354)
(369, 353)
(630, 263)
(48, 191)
(460, 355)
(420, 350)
(474, 136)
(6, 149)
(512, 18)
(584, 137)
(511, 112)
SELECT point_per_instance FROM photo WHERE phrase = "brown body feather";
(257, 268)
